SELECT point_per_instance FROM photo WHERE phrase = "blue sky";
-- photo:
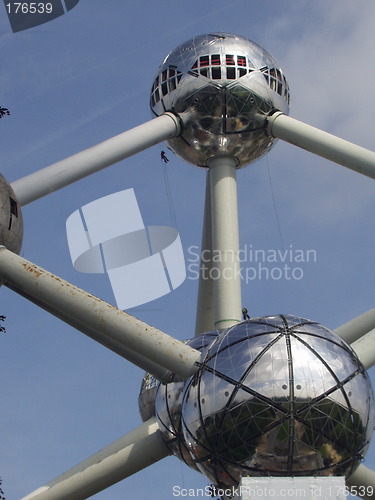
(85, 77)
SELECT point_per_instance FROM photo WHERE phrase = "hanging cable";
(274, 206)
(164, 160)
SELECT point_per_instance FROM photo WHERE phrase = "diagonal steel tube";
(364, 347)
(129, 337)
(357, 327)
(360, 333)
(113, 150)
(362, 483)
(322, 143)
(133, 452)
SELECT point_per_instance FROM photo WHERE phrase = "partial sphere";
(11, 221)
(222, 86)
(279, 396)
(168, 404)
(146, 398)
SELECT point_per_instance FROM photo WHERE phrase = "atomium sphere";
(280, 396)
(150, 384)
(11, 222)
(164, 401)
(222, 86)
(146, 398)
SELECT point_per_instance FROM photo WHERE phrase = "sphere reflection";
(222, 86)
(168, 406)
(277, 396)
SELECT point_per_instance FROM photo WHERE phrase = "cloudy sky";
(85, 77)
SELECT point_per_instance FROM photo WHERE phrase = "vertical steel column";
(225, 268)
(205, 303)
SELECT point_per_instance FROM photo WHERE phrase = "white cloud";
(330, 67)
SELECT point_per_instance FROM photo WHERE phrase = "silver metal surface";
(168, 406)
(222, 86)
(278, 395)
(147, 395)
(11, 222)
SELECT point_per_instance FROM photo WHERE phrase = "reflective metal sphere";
(150, 386)
(11, 221)
(146, 398)
(278, 396)
(168, 406)
(222, 86)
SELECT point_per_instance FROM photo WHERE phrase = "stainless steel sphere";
(168, 406)
(222, 86)
(146, 398)
(278, 396)
(150, 386)
(11, 221)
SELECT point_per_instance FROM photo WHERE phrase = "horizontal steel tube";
(321, 143)
(77, 166)
(133, 452)
(106, 324)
